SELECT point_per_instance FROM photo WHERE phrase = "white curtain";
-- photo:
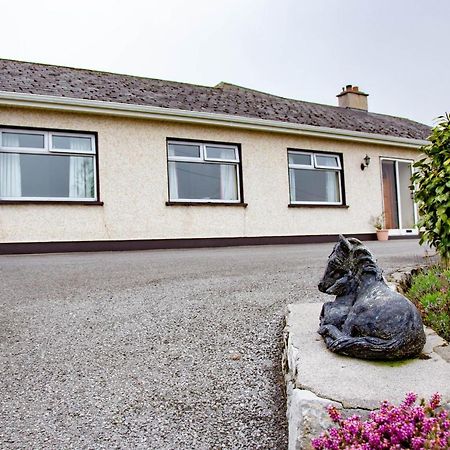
(293, 186)
(173, 181)
(228, 183)
(81, 172)
(331, 187)
(80, 144)
(10, 140)
(10, 176)
(81, 179)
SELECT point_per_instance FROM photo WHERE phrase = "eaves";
(68, 104)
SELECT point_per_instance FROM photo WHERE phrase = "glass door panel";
(406, 202)
(390, 195)
(399, 208)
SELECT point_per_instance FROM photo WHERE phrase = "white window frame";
(316, 167)
(185, 158)
(399, 231)
(202, 159)
(229, 147)
(335, 157)
(23, 149)
(301, 166)
(65, 150)
(47, 150)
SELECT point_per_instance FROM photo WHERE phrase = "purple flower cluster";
(423, 426)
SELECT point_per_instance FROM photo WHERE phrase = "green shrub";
(431, 184)
(430, 291)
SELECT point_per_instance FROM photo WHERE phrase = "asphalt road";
(176, 349)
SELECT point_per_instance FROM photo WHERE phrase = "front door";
(398, 206)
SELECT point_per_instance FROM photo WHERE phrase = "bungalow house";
(101, 161)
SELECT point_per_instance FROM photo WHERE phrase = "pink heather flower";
(427, 425)
(417, 443)
(410, 399)
(391, 427)
(334, 414)
(374, 440)
(418, 413)
(435, 400)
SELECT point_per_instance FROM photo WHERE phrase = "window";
(203, 172)
(47, 165)
(315, 178)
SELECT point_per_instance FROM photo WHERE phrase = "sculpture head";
(347, 262)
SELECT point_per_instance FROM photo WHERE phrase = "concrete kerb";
(315, 377)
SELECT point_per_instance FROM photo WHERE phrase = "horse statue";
(367, 319)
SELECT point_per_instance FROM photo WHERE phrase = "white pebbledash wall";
(134, 186)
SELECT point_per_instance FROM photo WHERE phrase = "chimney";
(352, 97)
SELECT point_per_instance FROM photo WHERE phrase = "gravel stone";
(171, 349)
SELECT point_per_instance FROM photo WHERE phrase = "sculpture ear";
(355, 242)
(344, 244)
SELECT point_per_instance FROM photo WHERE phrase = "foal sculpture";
(367, 319)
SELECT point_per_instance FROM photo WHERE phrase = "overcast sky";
(395, 50)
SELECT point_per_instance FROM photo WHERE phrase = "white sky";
(395, 50)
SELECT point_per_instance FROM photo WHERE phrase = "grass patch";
(430, 291)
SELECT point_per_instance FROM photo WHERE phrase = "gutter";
(67, 104)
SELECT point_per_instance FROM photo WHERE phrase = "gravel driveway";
(176, 349)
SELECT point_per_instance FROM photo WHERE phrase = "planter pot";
(382, 235)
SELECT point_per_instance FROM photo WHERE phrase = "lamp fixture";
(366, 162)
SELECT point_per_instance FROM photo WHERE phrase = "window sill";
(49, 202)
(242, 205)
(295, 205)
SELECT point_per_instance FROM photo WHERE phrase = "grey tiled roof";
(17, 76)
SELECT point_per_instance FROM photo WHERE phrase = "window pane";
(72, 143)
(327, 161)
(22, 140)
(221, 153)
(314, 186)
(202, 181)
(299, 158)
(184, 150)
(390, 201)
(406, 199)
(48, 176)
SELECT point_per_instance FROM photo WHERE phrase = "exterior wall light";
(366, 162)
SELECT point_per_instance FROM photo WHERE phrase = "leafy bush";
(430, 291)
(424, 426)
(431, 184)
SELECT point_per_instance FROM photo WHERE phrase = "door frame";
(400, 231)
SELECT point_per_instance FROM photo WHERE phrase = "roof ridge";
(243, 88)
(339, 108)
(224, 97)
(219, 85)
(105, 72)
(398, 117)
(226, 85)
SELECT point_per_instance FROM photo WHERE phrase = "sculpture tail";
(374, 348)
